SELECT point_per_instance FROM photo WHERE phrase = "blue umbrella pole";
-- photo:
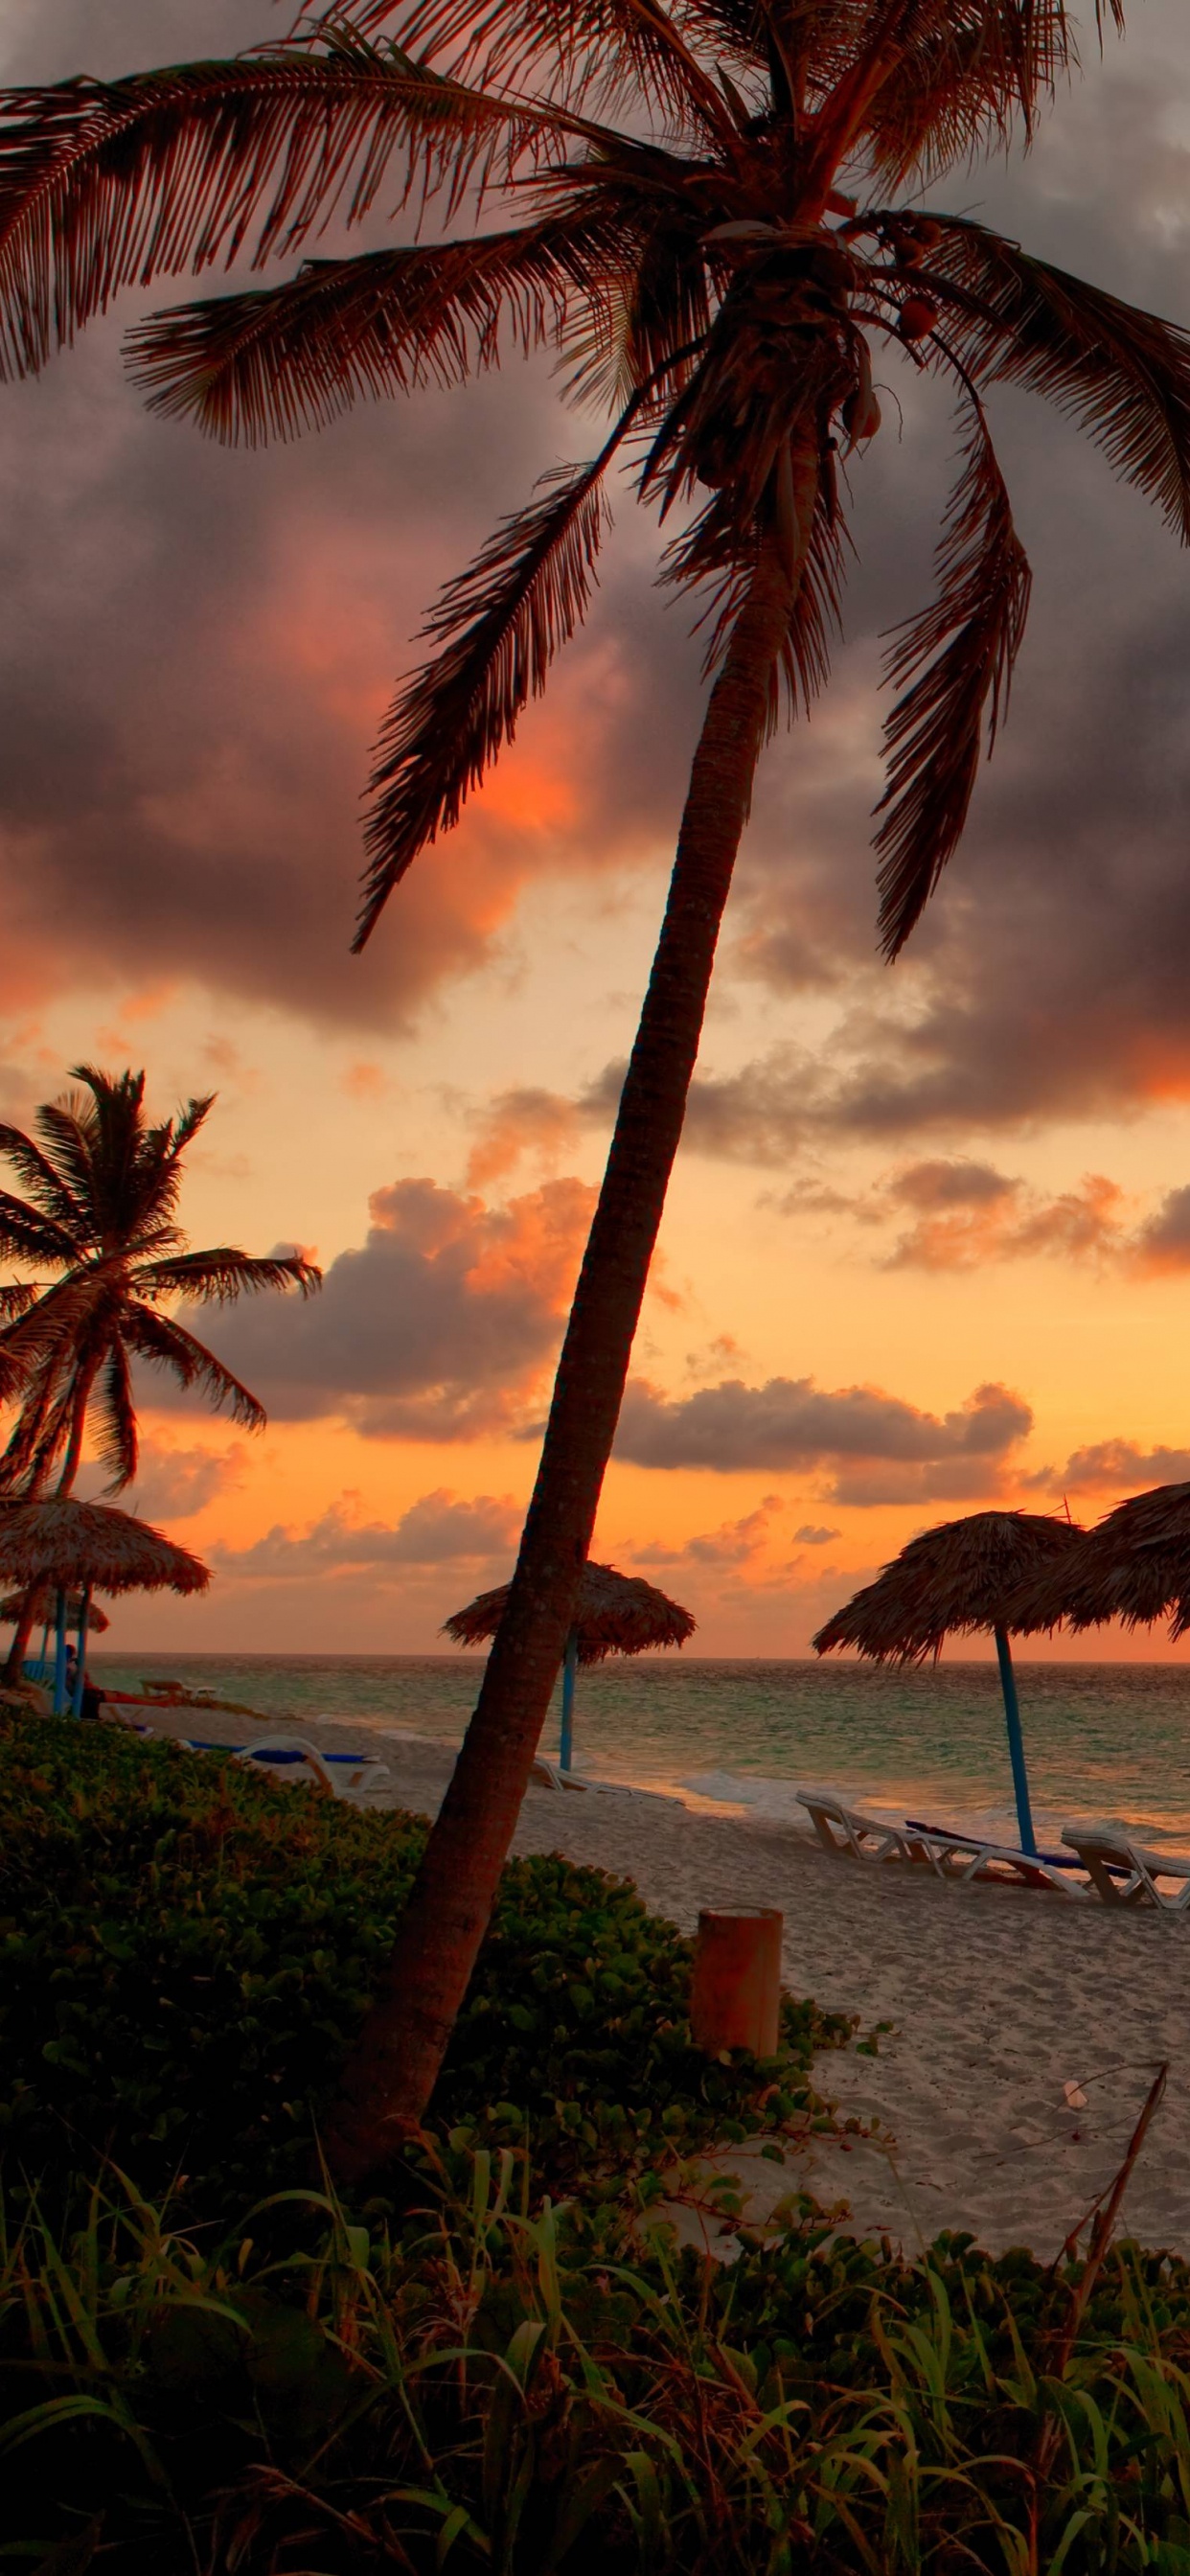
(1016, 1742)
(569, 1669)
(81, 1668)
(60, 1659)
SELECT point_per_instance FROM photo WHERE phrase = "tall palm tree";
(101, 1214)
(711, 211)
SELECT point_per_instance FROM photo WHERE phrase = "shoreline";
(1000, 1998)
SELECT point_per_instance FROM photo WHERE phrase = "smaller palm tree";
(101, 1213)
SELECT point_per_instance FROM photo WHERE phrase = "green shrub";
(186, 1949)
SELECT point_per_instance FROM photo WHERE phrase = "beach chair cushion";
(341, 1773)
(1125, 1873)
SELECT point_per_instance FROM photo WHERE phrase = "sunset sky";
(928, 1244)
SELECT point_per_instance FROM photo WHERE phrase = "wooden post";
(735, 1995)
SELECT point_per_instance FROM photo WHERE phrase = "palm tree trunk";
(391, 2074)
(15, 1660)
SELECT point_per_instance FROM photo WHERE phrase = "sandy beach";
(999, 1998)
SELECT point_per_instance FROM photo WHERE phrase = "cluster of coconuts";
(820, 268)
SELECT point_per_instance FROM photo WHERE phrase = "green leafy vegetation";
(187, 1949)
(209, 2366)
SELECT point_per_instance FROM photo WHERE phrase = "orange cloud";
(518, 1122)
(363, 1081)
(440, 1326)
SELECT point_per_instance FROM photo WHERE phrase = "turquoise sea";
(1103, 1740)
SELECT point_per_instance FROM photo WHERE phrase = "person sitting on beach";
(91, 1701)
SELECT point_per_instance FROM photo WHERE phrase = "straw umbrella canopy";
(618, 1614)
(66, 1546)
(960, 1579)
(71, 1545)
(1134, 1565)
(46, 1607)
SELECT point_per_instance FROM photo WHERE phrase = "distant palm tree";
(102, 1214)
(714, 269)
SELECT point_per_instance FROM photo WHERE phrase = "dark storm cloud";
(879, 1448)
(1050, 975)
(438, 1327)
(199, 645)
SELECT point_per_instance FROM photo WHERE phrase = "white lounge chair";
(843, 1830)
(1124, 1873)
(344, 1774)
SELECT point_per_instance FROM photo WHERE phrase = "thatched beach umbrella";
(618, 1614)
(64, 1546)
(1134, 1565)
(46, 1608)
(958, 1580)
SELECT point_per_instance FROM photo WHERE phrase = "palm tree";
(711, 211)
(101, 1214)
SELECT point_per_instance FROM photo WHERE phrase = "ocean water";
(1103, 1740)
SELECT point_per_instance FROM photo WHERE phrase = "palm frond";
(592, 54)
(58, 1316)
(219, 1276)
(37, 1436)
(17, 1299)
(1122, 374)
(292, 357)
(27, 1235)
(104, 184)
(709, 552)
(165, 1343)
(651, 323)
(112, 1414)
(60, 1124)
(500, 624)
(56, 1203)
(962, 74)
(190, 1119)
(957, 655)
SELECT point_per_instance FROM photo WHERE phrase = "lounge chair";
(843, 1830)
(1123, 1873)
(344, 1774)
(966, 1856)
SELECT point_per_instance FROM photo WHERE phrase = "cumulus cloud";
(810, 1536)
(437, 1530)
(1163, 1241)
(176, 1484)
(876, 1447)
(440, 1326)
(962, 1214)
(525, 1120)
(1114, 1467)
(734, 1545)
